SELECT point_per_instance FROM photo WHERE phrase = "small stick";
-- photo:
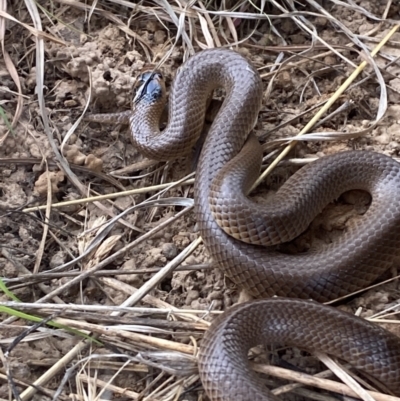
(108, 196)
(324, 384)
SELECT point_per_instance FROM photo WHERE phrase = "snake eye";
(150, 86)
(144, 77)
(148, 75)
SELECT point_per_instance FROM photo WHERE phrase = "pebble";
(169, 250)
(192, 295)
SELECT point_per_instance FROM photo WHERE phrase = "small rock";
(41, 184)
(192, 295)
(71, 103)
(151, 26)
(199, 304)
(216, 304)
(181, 240)
(94, 163)
(133, 279)
(73, 154)
(215, 295)
(383, 139)
(169, 250)
(160, 37)
(57, 259)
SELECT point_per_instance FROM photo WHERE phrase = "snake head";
(150, 87)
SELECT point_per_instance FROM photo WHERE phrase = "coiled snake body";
(229, 163)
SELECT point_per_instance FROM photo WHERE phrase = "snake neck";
(193, 85)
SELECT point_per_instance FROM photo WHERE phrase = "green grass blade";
(36, 319)
(6, 291)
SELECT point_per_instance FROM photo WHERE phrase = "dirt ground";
(93, 59)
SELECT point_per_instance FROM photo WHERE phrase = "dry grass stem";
(313, 381)
(109, 196)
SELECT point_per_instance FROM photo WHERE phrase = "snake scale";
(233, 228)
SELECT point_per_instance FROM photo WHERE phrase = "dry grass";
(156, 340)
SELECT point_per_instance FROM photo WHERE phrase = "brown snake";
(228, 165)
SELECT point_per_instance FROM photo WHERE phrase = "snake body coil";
(229, 163)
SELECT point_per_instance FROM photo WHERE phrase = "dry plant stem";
(181, 328)
(295, 48)
(312, 395)
(284, 66)
(137, 338)
(24, 383)
(364, 384)
(346, 106)
(40, 251)
(344, 377)
(363, 290)
(331, 101)
(102, 384)
(35, 32)
(104, 364)
(163, 390)
(111, 379)
(55, 369)
(120, 220)
(168, 269)
(324, 384)
(294, 120)
(160, 390)
(168, 309)
(133, 168)
(184, 384)
(8, 62)
(109, 196)
(384, 312)
(383, 321)
(9, 379)
(286, 388)
(151, 300)
(151, 385)
(27, 279)
(210, 26)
